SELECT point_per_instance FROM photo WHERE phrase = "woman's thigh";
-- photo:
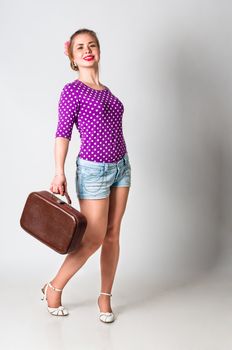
(117, 206)
(96, 212)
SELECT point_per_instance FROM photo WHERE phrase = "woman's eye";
(80, 48)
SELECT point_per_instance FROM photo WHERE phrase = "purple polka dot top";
(97, 115)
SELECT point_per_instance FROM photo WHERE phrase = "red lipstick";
(88, 58)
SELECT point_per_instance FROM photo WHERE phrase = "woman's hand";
(59, 184)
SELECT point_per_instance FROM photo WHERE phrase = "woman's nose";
(87, 50)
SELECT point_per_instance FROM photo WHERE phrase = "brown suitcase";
(53, 221)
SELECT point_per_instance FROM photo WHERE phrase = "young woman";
(103, 171)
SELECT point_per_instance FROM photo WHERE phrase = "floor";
(190, 317)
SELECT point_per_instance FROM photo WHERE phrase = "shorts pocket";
(91, 178)
(89, 171)
(127, 169)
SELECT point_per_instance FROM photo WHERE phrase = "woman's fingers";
(60, 189)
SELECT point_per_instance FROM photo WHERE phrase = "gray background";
(170, 64)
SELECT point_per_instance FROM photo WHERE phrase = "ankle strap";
(56, 289)
(106, 293)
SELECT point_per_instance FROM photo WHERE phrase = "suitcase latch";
(60, 201)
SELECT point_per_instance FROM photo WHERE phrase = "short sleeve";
(68, 108)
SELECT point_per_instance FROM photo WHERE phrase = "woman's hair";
(70, 47)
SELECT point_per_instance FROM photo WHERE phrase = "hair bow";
(66, 46)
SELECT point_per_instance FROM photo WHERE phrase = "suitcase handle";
(60, 201)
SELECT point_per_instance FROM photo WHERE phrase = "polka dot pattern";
(97, 115)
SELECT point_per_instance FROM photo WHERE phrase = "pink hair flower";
(66, 46)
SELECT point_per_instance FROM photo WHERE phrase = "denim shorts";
(93, 180)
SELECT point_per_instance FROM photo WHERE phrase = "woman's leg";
(110, 247)
(96, 212)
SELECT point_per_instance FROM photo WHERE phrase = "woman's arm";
(60, 153)
(59, 183)
(68, 108)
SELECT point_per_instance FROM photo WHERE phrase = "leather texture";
(53, 221)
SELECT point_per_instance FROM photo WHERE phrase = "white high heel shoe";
(56, 311)
(106, 317)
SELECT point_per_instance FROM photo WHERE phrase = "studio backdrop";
(170, 64)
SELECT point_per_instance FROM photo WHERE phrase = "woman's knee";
(85, 250)
(92, 246)
(112, 234)
(91, 243)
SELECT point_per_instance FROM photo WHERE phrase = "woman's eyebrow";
(88, 43)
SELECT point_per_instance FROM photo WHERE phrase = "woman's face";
(85, 50)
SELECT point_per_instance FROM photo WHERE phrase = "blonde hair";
(70, 47)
